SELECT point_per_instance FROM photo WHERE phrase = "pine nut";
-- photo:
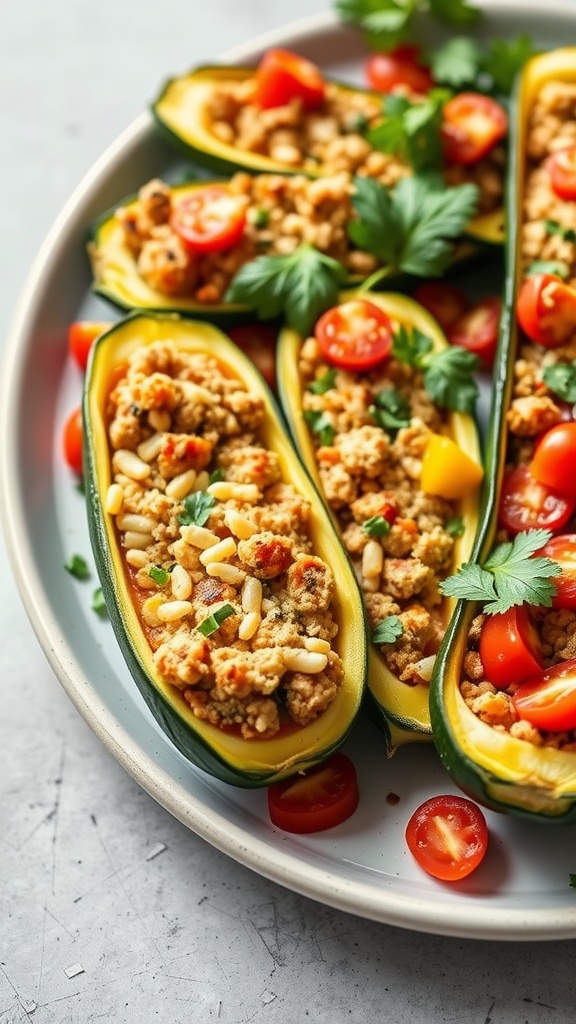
(135, 539)
(181, 485)
(252, 596)
(228, 490)
(126, 462)
(131, 521)
(315, 644)
(159, 419)
(239, 525)
(144, 579)
(150, 609)
(114, 499)
(249, 625)
(372, 559)
(150, 448)
(180, 583)
(136, 557)
(309, 662)
(202, 480)
(226, 572)
(218, 552)
(199, 536)
(172, 611)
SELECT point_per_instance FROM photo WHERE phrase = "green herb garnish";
(456, 63)
(98, 603)
(561, 379)
(455, 527)
(214, 621)
(448, 374)
(512, 575)
(556, 267)
(411, 227)
(411, 129)
(385, 23)
(390, 410)
(324, 383)
(388, 631)
(300, 286)
(572, 879)
(321, 425)
(77, 566)
(197, 509)
(553, 227)
(159, 575)
(376, 526)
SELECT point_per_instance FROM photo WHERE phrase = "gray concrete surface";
(110, 909)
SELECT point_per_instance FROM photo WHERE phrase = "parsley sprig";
(411, 227)
(513, 574)
(561, 379)
(300, 286)
(448, 374)
(197, 509)
(385, 23)
(410, 129)
(462, 63)
(388, 630)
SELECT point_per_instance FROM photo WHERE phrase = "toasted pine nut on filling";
(234, 602)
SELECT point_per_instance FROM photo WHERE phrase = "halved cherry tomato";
(477, 330)
(548, 700)
(448, 836)
(554, 459)
(72, 441)
(509, 647)
(401, 68)
(445, 302)
(546, 309)
(561, 167)
(472, 125)
(283, 76)
(258, 341)
(318, 798)
(209, 219)
(81, 336)
(357, 335)
(562, 549)
(526, 504)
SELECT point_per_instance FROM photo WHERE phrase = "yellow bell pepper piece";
(447, 471)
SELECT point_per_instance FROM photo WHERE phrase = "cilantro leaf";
(301, 285)
(390, 410)
(449, 379)
(384, 22)
(320, 424)
(553, 227)
(197, 509)
(561, 379)
(504, 60)
(454, 12)
(455, 526)
(324, 383)
(77, 566)
(411, 129)
(457, 62)
(376, 526)
(556, 267)
(412, 226)
(388, 631)
(98, 603)
(159, 575)
(512, 575)
(411, 346)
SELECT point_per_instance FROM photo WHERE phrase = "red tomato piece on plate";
(477, 329)
(472, 125)
(209, 219)
(445, 302)
(562, 549)
(527, 504)
(546, 309)
(283, 76)
(318, 798)
(401, 68)
(554, 460)
(357, 335)
(561, 167)
(448, 837)
(72, 441)
(81, 336)
(548, 700)
(509, 647)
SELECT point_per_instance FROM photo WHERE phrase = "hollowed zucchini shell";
(494, 768)
(181, 112)
(247, 763)
(401, 711)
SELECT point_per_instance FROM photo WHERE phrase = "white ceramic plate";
(521, 891)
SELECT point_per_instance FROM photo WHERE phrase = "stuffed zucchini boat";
(220, 117)
(230, 596)
(400, 473)
(502, 695)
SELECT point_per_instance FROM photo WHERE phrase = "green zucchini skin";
(180, 113)
(501, 772)
(246, 764)
(400, 711)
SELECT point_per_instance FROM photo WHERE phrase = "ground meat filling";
(367, 473)
(234, 602)
(332, 137)
(534, 408)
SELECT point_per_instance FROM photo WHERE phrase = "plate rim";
(286, 869)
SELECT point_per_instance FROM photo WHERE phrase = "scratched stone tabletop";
(111, 909)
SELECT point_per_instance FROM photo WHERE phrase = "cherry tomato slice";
(526, 504)
(509, 647)
(546, 309)
(283, 76)
(548, 700)
(72, 441)
(561, 167)
(258, 341)
(81, 336)
(399, 69)
(562, 549)
(554, 458)
(445, 302)
(357, 335)
(448, 837)
(477, 330)
(209, 219)
(318, 798)
(472, 125)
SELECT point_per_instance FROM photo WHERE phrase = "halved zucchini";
(181, 110)
(402, 711)
(493, 767)
(221, 753)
